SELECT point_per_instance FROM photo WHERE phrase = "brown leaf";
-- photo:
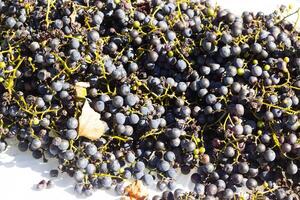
(90, 125)
(136, 191)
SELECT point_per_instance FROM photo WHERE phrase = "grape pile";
(185, 87)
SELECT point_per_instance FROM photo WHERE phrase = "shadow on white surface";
(22, 171)
(20, 168)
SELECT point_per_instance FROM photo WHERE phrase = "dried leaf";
(80, 89)
(73, 15)
(90, 125)
(136, 191)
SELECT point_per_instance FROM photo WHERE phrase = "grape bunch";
(184, 87)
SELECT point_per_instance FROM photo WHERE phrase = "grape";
(148, 179)
(134, 118)
(131, 99)
(53, 150)
(93, 36)
(237, 109)
(154, 123)
(128, 131)
(171, 173)
(133, 67)
(63, 94)
(181, 65)
(238, 129)
(37, 154)
(88, 192)
(120, 188)
(106, 182)
(251, 183)
(69, 155)
(237, 178)
(261, 148)
(72, 123)
(159, 145)
(269, 155)
(292, 138)
(204, 83)
(35, 144)
(229, 151)
(243, 167)
(82, 163)
(256, 48)
(64, 145)
(169, 156)
(90, 169)
(220, 184)
(10, 22)
(75, 55)
(71, 134)
(54, 173)
(228, 193)
(117, 101)
(181, 87)
(292, 169)
(127, 174)
(174, 133)
(175, 142)
(163, 166)
(99, 106)
(211, 190)
(189, 146)
(97, 156)
(208, 168)
(120, 118)
(91, 149)
(114, 166)
(130, 157)
(171, 185)
(247, 129)
(139, 175)
(199, 189)
(171, 35)
(223, 90)
(34, 46)
(41, 185)
(22, 146)
(231, 71)
(3, 146)
(211, 99)
(40, 103)
(78, 176)
(139, 166)
(161, 185)
(256, 71)
(78, 188)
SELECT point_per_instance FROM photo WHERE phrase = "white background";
(19, 172)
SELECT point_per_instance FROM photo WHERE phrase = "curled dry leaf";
(90, 125)
(73, 15)
(80, 89)
(136, 191)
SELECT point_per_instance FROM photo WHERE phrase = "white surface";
(19, 172)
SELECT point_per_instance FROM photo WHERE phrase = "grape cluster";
(184, 87)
